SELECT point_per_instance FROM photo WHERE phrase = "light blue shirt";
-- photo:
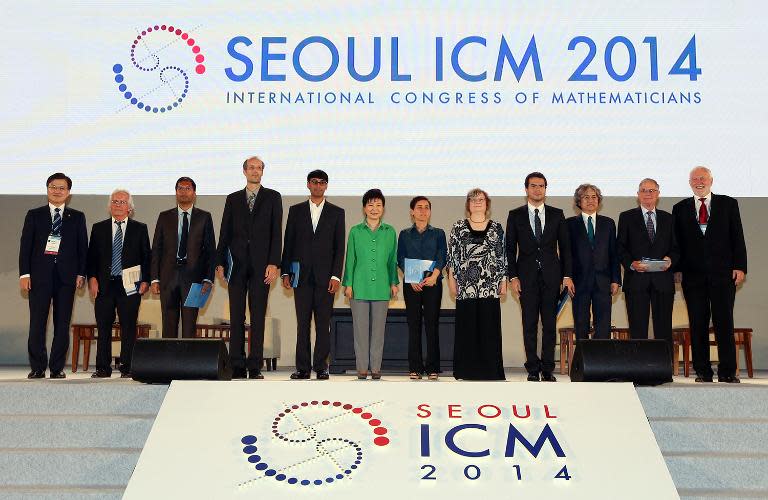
(532, 217)
(181, 220)
(653, 217)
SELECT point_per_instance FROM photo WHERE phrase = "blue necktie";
(117, 251)
(56, 228)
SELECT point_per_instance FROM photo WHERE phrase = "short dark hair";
(186, 179)
(535, 175)
(417, 199)
(374, 194)
(317, 174)
(59, 176)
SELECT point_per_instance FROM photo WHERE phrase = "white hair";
(701, 167)
(130, 200)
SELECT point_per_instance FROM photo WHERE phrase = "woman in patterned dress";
(477, 269)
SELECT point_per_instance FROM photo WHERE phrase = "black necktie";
(537, 225)
(184, 237)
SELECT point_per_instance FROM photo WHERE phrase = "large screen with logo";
(425, 97)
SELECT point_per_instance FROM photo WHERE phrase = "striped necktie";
(56, 228)
(117, 250)
(251, 201)
(650, 228)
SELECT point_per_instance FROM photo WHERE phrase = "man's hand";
(639, 267)
(286, 282)
(515, 285)
(93, 287)
(738, 277)
(143, 287)
(207, 285)
(25, 284)
(333, 286)
(669, 262)
(219, 272)
(614, 289)
(270, 274)
(393, 291)
(568, 283)
(348, 293)
(156, 288)
(80, 281)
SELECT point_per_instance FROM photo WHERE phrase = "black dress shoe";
(729, 380)
(703, 378)
(126, 375)
(36, 374)
(533, 377)
(239, 373)
(548, 377)
(58, 375)
(101, 374)
(255, 374)
(323, 375)
(300, 375)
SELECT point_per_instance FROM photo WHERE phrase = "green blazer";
(371, 266)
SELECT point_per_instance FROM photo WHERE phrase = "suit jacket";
(598, 267)
(554, 251)
(71, 260)
(201, 246)
(718, 252)
(254, 237)
(320, 253)
(634, 244)
(136, 250)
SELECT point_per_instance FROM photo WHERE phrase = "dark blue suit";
(53, 279)
(594, 269)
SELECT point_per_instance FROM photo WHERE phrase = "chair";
(88, 332)
(222, 331)
(741, 336)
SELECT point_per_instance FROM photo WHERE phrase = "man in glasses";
(183, 253)
(313, 248)
(117, 243)
(52, 263)
(648, 233)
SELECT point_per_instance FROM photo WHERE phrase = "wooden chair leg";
(86, 353)
(562, 355)
(75, 347)
(571, 349)
(676, 359)
(687, 354)
(748, 353)
(739, 348)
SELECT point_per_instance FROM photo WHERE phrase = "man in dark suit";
(117, 243)
(314, 238)
(647, 232)
(183, 253)
(539, 262)
(251, 232)
(713, 263)
(596, 273)
(52, 256)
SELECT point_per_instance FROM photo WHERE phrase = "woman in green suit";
(370, 278)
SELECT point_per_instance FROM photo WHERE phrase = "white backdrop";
(62, 108)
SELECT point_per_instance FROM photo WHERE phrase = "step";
(62, 492)
(67, 466)
(705, 401)
(74, 431)
(108, 397)
(715, 435)
(719, 471)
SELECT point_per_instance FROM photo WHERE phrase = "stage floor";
(512, 374)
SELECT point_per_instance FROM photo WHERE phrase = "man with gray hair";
(595, 264)
(646, 232)
(117, 243)
(713, 263)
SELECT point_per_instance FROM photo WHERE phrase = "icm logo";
(149, 94)
(314, 443)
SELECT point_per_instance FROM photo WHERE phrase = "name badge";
(52, 245)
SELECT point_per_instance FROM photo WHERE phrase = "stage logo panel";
(400, 440)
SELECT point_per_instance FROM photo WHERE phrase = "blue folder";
(196, 298)
(415, 269)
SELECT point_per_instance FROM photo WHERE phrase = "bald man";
(713, 263)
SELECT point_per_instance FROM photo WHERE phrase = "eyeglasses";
(318, 182)
(649, 191)
(118, 203)
(58, 188)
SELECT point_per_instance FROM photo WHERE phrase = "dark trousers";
(113, 298)
(42, 294)
(252, 285)
(537, 302)
(313, 299)
(172, 297)
(477, 346)
(423, 308)
(642, 302)
(600, 301)
(713, 300)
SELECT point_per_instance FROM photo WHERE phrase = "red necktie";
(703, 211)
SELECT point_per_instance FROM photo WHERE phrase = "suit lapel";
(47, 220)
(259, 201)
(323, 218)
(644, 227)
(548, 223)
(173, 229)
(714, 204)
